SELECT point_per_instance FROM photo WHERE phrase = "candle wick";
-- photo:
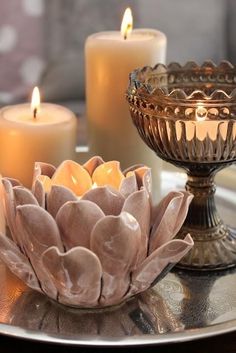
(125, 36)
(35, 113)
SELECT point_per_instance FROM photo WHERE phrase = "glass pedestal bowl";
(187, 116)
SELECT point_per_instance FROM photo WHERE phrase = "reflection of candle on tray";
(110, 57)
(43, 132)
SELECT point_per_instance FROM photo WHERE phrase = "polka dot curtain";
(21, 48)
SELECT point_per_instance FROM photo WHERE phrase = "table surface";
(222, 343)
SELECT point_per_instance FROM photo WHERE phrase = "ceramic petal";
(114, 288)
(128, 185)
(23, 196)
(187, 198)
(76, 220)
(10, 208)
(138, 205)
(39, 192)
(166, 216)
(92, 164)
(46, 182)
(17, 262)
(144, 178)
(41, 168)
(76, 274)
(154, 264)
(73, 176)
(38, 231)
(108, 173)
(116, 240)
(107, 198)
(14, 182)
(57, 197)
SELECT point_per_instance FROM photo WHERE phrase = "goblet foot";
(214, 242)
(214, 249)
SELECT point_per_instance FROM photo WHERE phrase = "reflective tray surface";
(183, 306)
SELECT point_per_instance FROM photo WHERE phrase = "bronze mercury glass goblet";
(187, 116)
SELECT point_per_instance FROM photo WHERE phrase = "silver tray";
(183, 306)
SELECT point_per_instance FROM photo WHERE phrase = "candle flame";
(35, 102)
(201, 112)
(127, 23)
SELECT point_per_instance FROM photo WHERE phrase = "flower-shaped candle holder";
(85, 237)
(187, 115)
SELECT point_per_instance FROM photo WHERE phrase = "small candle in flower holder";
(45, 132)
(92, 246)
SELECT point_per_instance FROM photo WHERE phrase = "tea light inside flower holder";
(187, 115)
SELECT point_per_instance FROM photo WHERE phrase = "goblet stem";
(215, 244)
(202, 211)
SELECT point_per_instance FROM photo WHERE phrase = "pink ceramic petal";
(41, 168)
(116, 240)
(24, 196)
(76, 220)
(187, 199)
(14, 182)
(39, 192)
(2, 209)
(39, 227)
(17, 262)
(166, 217)
(38, 231)
(144, 178)
(57, 197)
(107, 198)
(138, 205)
(132, 168)
(76, 274)
(114, 288)
(128, 185)
(10, 208)
(73, 176)
(108, 173)
(148, 271)
(92, 164)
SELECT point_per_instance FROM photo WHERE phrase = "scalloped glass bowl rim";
(139, 88)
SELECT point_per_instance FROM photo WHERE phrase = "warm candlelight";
(201, 112)
(35, 132)
(35, 101)
(127, 23)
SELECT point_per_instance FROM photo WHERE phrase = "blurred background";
(42, 41)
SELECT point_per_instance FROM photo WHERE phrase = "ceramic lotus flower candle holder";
(88, 236)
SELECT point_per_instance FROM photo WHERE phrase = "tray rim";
(142, 340)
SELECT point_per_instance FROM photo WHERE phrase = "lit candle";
(201, 127)
(110, 57)
(40, 132)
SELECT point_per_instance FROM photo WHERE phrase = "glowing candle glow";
(35, 132)
(127, 23)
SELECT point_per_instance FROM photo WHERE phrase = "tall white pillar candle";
(109, 60)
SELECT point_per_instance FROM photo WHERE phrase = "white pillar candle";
(49, 137)
(109, 60)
